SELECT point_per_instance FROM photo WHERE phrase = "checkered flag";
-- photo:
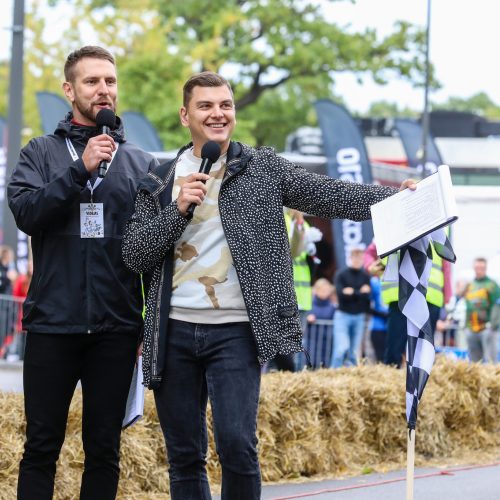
(415, 265)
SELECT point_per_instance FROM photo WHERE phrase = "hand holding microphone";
(194, 191)
(105, 120)
(99, 150)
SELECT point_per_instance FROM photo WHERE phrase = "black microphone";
(105, 120)
(210, 153)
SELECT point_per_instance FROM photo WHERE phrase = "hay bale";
(326, 423)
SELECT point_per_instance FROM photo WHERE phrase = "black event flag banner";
(347, 159)
(413, 271)
(410, 132)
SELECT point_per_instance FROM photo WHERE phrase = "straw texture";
(327, 423)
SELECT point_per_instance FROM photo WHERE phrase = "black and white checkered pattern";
(415, 265)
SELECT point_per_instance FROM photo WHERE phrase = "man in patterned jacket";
(221, 297)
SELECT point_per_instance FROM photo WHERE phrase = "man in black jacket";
(221, 299)
(83, 312)
(353, 291)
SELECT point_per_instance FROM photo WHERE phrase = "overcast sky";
(464, 47)
(465, 42)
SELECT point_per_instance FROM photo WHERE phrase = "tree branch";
(257, 89)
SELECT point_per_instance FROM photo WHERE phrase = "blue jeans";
(217, 362)
(347, 336)
(482, 345)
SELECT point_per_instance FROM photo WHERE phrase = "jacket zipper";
(228, 174)
(235, 160)
(87, 271)
(156, 326)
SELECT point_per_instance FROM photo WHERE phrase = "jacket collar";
(237, 159)
(80, 134)
(234, 150)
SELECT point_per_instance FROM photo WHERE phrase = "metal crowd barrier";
(12, 338)
(318, 341)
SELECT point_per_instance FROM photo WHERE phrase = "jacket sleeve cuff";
(79, 172)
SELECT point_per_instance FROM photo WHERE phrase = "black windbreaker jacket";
(78, 285)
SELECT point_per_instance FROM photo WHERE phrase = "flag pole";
(425, 114)
(410, 464)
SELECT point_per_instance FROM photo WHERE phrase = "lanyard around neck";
(74, 156)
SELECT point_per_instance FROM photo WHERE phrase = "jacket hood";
(82, 133)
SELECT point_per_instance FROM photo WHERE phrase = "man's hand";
(348, 290)
(99, 148)
(192, 191)
(377, 268)
(138, 352)
(408, 183)
(311, 318)
(297, 216)
(365, 289)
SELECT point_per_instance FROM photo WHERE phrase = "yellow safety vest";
(301, 274)
(435, 287)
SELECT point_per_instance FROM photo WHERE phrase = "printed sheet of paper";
(409, 215)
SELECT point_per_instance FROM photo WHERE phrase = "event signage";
(346, 160)
(410, 132)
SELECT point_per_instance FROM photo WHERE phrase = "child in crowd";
(319, 335)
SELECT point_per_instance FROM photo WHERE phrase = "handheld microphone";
(210, 153)
(105, 120)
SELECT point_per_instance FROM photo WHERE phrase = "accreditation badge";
(91, 220)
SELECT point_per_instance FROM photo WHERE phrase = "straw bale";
(325, 423)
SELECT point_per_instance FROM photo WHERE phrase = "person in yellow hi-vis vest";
(396, 320)
(302, 237)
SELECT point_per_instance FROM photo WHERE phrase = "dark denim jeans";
(217, 362)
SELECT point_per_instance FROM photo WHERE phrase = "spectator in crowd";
(13, 346)
(353, 290)
(83, 316)
(20, 290)
(8, 273)
(302, 238)
(396, 320)
(481, 296)
(378, 311)
(319, 337)
(196, 347)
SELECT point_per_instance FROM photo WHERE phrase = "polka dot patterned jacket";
(256, 185)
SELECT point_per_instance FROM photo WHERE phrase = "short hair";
(204, 79)
(356, 251)
(322, 282)
(92, 51)
(6, 250)
(480, 259)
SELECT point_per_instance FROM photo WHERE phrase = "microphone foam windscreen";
(211, 151)
(105, 118)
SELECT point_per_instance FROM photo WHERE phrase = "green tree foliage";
(4, 87)
(42, 69)
(480, 104)
(280, 55)
(386, 109)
